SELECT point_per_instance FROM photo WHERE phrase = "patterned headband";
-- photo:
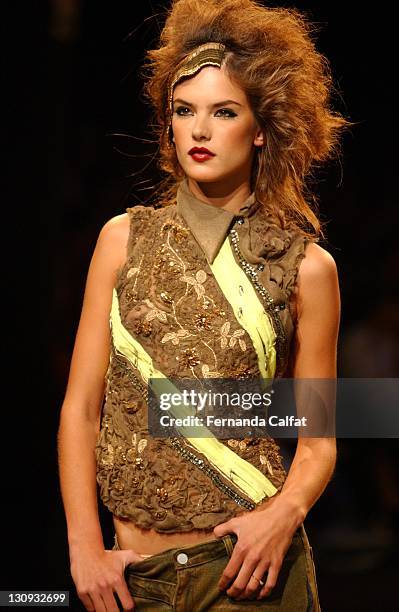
(208, 54)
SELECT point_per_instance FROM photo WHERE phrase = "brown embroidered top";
(171, 304)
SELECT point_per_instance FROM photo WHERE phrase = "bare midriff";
(148, 542)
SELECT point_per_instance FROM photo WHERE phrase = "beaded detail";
(212, 473)
(271, 307)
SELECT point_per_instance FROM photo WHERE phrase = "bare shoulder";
(317, 277)
(317, 264)
(319, 309)
(113, 238)
(116, 229)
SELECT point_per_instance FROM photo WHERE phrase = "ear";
(259, 138)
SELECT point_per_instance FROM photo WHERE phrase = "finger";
(223, 529)
(254, 586)
(243, 579)
(109, 601)
(231, 570)
(98, 602)
(87, 602)
(257, 581)
(124, 595)
(129, 556)
(272, 576)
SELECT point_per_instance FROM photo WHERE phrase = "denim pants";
(185, 579)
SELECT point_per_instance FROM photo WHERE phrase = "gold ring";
(260, 581)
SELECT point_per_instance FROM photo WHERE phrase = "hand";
(264, 536)
(98, 574)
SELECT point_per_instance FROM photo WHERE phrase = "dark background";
(72, 85)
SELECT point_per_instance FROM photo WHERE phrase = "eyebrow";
(222, 103)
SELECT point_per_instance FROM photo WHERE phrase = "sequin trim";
(213, 475)
(271, 307)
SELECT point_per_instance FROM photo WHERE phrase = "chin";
(205, 179)
(204, 175)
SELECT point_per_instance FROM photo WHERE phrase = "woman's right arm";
(95, 571)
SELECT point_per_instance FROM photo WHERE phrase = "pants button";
(182, 558)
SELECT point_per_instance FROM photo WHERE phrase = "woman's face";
(212, 112)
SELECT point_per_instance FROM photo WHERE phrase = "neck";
(226, 195)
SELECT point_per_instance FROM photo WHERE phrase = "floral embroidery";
(175, 336)
(175, 279)
(224, 337)
(131, 293)
(233, 339)
(196, 282)
(154, 313)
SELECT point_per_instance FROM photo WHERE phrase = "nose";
(201, 129)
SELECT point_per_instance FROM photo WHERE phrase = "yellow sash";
(247, 308)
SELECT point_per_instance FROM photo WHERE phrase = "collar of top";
(209, 224)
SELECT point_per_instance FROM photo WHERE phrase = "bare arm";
(81, 412)
(81, 409)
(316, 357)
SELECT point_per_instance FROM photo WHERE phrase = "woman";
(222, 279)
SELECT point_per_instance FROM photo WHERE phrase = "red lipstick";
(200, 154)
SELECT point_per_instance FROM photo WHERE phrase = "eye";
(227, 113)
(227, 110)
(179, 110)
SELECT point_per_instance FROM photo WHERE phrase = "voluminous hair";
(288, 84)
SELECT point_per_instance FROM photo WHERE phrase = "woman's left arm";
(262, 544)
(316, 339)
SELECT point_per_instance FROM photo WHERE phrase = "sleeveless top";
(171, 306)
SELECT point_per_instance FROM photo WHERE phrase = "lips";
(201, 151)
(200, 154)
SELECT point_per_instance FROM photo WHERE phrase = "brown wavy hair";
(288, 84)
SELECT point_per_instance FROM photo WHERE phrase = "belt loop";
(229, 544)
